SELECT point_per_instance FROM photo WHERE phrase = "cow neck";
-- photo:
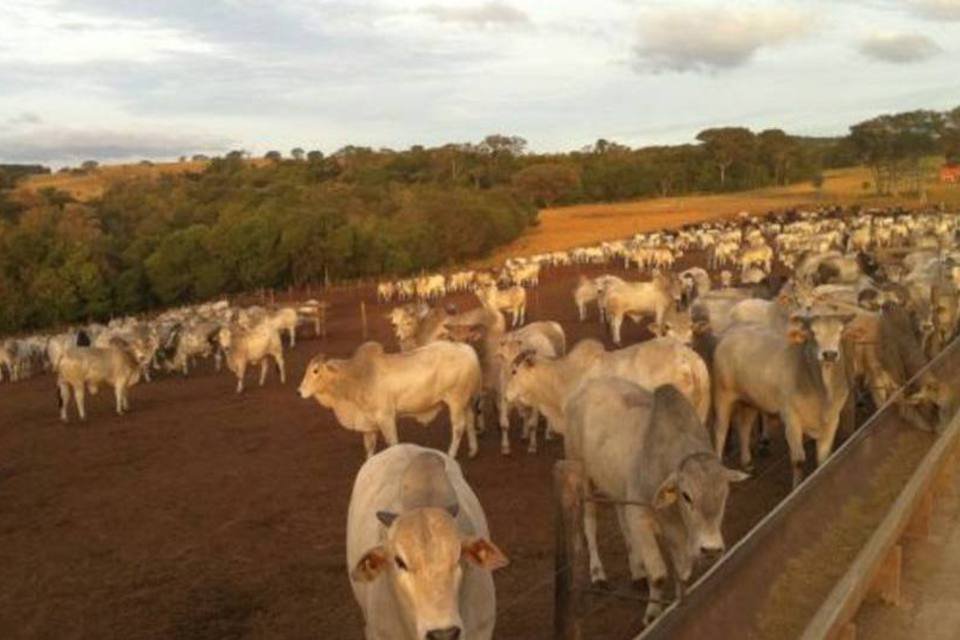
(561, 380)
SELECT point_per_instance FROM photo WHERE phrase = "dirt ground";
(203, 514)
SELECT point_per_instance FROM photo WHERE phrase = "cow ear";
(733, 475)
(386, 517)
(666, 493)
(370, 565)
(483, 553)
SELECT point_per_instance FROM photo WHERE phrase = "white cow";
(419, 553)
(369, 391)
(86, 368)
(244, 347)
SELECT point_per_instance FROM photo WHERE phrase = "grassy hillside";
(92, 184)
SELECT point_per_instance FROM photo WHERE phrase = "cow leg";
(504, 427)
(723, 407)
(370, 443)
(529, 433)
(615, 322)
(794, 435)
(469, 420)
(637, 571)
(746, 418)
(118, 396)
(263, 370)
(64, 400)
(523, 314)
(388, 427)
(293, 337)
(241, 370)
(457, 427)
(597, 574)
(278, 358)
(644, 540)
(79, 395)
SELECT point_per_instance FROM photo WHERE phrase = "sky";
(121, 80)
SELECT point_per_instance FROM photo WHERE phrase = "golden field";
(564, 228)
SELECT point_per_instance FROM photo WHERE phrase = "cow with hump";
(370, 390)
(419, 553)
(652, 450)
(82, 368)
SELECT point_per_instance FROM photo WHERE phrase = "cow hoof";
(749, 467)
(639, 584)
(505, 451)
(472, 454)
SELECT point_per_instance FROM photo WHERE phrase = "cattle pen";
(806, 567)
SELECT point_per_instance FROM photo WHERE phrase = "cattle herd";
(793, 321)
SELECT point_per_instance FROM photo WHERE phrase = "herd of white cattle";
(870, 298)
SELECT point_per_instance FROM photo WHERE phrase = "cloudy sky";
(130, 79)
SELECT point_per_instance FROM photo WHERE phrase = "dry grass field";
(564, 228)
(92, 184)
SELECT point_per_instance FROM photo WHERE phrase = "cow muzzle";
(829, 356)
(450, 633)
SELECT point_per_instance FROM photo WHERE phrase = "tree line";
(239, 225)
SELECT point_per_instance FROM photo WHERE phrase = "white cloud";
(488, 14)
(936, 9)
(899, 48)
(710, 38)
(66, 145)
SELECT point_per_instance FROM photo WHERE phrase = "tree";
(273, 156)
(199, 157)
(777, 150)
(894, 145)
(297, 153)
(314, 156)
(950, 136)
(546, 183)
(726, 146)
(89, 165)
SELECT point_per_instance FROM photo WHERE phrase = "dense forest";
(305, 217)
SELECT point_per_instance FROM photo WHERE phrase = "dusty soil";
(203, 514)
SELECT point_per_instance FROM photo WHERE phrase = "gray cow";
(800, 375)
(649, 448)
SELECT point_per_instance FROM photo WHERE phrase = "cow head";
(424, 556)
(521, 375)
(699, 488)
(317, 377)
(825, 331)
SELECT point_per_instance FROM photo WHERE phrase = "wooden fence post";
(569, 552)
